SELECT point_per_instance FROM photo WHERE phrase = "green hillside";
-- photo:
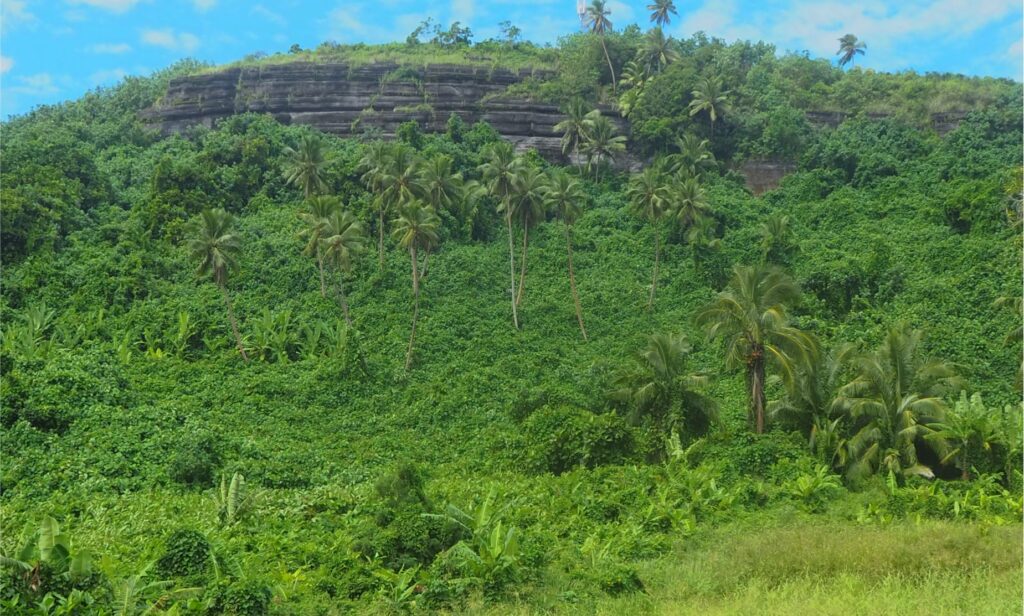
(518, 470)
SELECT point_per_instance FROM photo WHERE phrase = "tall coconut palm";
(648, 198)
(710, 98)
(659, 385)
(694, 156)
(441, 186)
(702, 239)
(662, 11)
(215, 246)
(849, 49)
(657, 52)
(576, 126)
(602, 145)
(306, 166)
(750, 315)
(400, 178)
(415, 229)
(343, 238)
(596, 18)
(688, 202)
(373, 166)
(528, 208)
(564, 197)
(891, 401)
(499, 171)
(318, 210)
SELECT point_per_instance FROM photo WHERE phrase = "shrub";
(562, 438)
(186, 554)
(195, 460)
(239, 598)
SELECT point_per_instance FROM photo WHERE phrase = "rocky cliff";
(353, 100)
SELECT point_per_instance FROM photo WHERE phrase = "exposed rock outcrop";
(351, 100)
(765, 175)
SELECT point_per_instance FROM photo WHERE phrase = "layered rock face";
(353, 100)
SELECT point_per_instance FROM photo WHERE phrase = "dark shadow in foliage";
(195, 459)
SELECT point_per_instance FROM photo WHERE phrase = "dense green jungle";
(258, 369)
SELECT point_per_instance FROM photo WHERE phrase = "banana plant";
(49, 547)
(232, 499)
(399, 590)
(184, 333)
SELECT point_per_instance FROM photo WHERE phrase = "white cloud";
(269, 15)
(114, 6)
(345, 25)
(36, 85)
(6, 64)
(108, 76)
(621, 14)
(204, 5)
(110, 48)
(168, 39)
(13, 13)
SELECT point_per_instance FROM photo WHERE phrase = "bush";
(186, 555)
(195, 461)
(562, 438)
(239, 598)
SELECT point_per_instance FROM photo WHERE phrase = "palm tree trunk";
(415, 305)
(426, 261)
(657, 258)
(380, 235)
(572, 282)
(320, 264)
(234, 324)
(965, 474)
(756, 369)
(522, 265)
(615, 89)
(511, 266)
(341, 297)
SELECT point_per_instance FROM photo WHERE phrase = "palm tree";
(750, 315)
(216, 247)
(563, 196)
(710, 98)
(688, 202)
(849, 49)
(693, 158)
(343, 238)
(373, 166)
(701, 238)
(602, 144)
(810, 404)
(970, 427)
(596, 18)
(306, 166)
(661, 11)
(528, 208)
(891, 401)
(442, 187)
(648, 198)
(659, 385)
(776, 236)
(315, 218)
(657, 51)
(415, 229)
(576, 126)
(499, 172)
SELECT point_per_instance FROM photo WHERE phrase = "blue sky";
(53, 50)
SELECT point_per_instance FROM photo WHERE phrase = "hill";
(503, 468)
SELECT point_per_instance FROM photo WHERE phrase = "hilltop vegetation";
(257, 369)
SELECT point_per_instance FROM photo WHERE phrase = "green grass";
(823, 568)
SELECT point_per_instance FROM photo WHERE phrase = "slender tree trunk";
(511, 266)
(341, 297)
(234, 324)
(615, 89)
(572, 282)
(756, 369)
(426, 262)
(965, 474)
(320, 264)
(380, 235)
(657, 259)
(415, 305)
(522, 265)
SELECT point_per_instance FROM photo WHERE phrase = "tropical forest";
(626, 323)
